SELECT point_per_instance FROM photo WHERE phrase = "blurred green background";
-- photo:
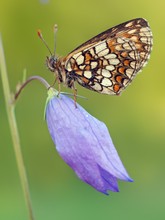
(136, 119)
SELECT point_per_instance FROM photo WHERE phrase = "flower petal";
(84, 144)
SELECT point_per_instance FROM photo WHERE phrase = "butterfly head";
(54, 65)
(51, 63)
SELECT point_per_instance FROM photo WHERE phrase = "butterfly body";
(108, 62)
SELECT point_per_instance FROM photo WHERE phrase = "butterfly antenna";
(55, 38)
(41, 37)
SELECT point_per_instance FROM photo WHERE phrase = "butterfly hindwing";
(108, 62)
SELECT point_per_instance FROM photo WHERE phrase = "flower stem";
(39, 78)
(14, 131)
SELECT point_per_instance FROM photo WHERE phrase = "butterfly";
(108, 62)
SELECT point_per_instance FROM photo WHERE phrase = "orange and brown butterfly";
(108, 62)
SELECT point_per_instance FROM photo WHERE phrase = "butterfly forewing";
(108, 62)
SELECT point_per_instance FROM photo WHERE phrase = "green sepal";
(51, 93)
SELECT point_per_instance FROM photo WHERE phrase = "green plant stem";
(14, 131)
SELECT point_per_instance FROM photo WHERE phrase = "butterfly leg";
(59, 87)
(74, 92)
(71, 84)
(75, 97)
(54, 82)
(59, 84)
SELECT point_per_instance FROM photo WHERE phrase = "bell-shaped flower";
(84, 143)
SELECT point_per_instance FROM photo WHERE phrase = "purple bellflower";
(84, 143)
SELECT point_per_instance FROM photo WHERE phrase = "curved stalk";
(39, 78)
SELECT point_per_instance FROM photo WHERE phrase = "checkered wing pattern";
(108, 62)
